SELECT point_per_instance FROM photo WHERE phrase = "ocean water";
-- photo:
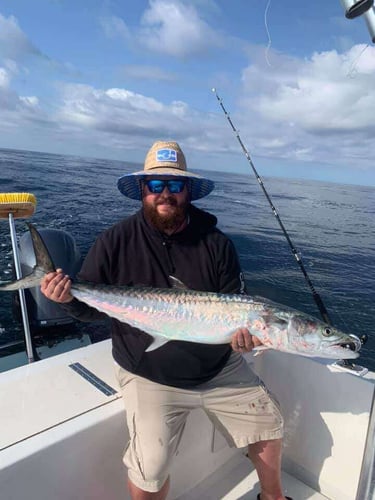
(331, 225)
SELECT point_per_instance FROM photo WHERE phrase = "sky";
(105, 79)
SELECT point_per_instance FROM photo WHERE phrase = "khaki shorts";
(236, 401)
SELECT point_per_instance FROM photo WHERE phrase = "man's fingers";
(243, 341)
(50, 276)
(248, 342)
(56, 286)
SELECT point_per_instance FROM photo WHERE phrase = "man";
(171, 237)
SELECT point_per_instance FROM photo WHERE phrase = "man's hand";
(56, 286)
(243, 341)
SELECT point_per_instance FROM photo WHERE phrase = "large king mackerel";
(211, 318)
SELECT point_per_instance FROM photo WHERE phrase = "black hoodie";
(134, 253)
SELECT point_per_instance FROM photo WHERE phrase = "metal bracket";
(350, 367)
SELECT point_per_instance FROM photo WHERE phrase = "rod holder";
(370, 21)
(17, 266)
(355, 8)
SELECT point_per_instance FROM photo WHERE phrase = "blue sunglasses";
(157, 186)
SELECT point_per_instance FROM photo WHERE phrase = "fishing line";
(318, 301)
(268, 32)
(352, 70)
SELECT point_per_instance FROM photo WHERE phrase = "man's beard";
(167, 222)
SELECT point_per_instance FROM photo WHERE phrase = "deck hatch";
(93, 379)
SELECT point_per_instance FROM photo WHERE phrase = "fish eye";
(327, 332)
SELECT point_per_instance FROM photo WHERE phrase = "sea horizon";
(210, 170)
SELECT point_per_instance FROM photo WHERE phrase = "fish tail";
(43, 266)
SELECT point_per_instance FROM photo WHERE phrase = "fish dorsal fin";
(176, 283)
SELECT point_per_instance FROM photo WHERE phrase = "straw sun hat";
(164, 159)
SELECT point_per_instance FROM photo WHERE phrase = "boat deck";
(63, 433)
(237, 479)
(43, 395)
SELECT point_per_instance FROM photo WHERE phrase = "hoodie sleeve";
(82, 312)
(230, 275)
(95, 269)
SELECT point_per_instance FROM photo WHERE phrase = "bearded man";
(170, 237)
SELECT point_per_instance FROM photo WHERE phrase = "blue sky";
(107, 78)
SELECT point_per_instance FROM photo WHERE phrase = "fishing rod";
(318, 301)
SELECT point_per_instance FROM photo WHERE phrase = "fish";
(182, 314)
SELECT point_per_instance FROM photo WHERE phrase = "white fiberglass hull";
(63, 432)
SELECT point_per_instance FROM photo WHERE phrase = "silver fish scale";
(171, 295)
(178, 314)
(174, 314)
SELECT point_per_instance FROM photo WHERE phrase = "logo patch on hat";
(166, 155)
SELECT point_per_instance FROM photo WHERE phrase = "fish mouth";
(353, 343)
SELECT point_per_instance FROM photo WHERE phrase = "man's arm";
(57, 287)
(231, 279)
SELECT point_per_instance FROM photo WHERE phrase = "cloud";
(16, 49)
(121, 115)
(176, 29)
(319, 108)
(117, 120)
(17, 111)
(169, 27)
(114, 26)
(144, 72)
(14, 44)
(9, 99)
(316, 109)
(4, 78)
(329, 91)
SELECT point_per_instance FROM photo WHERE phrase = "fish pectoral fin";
(260, 349)
(275, 319)
(158, 342)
